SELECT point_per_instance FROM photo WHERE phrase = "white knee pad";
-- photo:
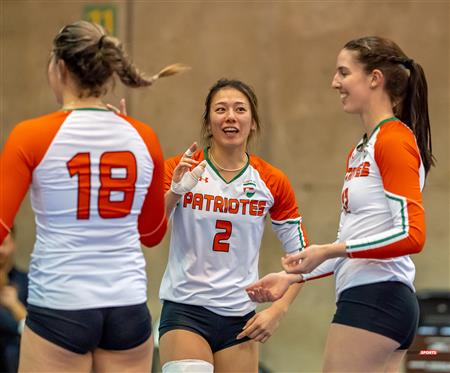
(188, 366)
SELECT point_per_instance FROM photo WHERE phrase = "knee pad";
(188, 366)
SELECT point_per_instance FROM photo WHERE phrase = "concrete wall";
(287, 52)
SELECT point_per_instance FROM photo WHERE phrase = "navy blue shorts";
(81, 331)
(219, 331)
(388, 308)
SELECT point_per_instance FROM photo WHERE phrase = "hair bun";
(101, 41)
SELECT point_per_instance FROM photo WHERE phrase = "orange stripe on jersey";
(23, 151)
(398, 159)
(172, 162)
(285, 205)
(317, 277)
(152, 222)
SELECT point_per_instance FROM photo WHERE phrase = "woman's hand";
(271, 287)
(9, 299)
(122, 109)
(312, 256)
(8, 296)
(261, 326)
(184, 180)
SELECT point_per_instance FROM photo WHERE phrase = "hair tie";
(408, 63)
(100, 41)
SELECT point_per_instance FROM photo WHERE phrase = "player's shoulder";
(45, 120)
(264, 167)
(141, 127)
(395, 135)
(395, 131)
(41, 129)
(271, 175)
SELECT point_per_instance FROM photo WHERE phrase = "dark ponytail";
(414, 112)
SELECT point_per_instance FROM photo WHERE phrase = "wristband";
(20, 326)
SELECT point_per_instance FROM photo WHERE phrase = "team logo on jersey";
(249, 188)
(362, 170)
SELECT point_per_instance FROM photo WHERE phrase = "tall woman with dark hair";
(97, 192)
(382, 219)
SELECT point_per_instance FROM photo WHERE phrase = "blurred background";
(286, 50)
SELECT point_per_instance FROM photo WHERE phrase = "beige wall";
(287, 52)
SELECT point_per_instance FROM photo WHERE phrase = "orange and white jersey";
(216, 234)
(96, 191)
(382, 218)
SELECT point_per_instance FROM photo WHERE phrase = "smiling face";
(230, 118)
(352, 82)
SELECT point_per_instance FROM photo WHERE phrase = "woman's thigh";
(137, 359)
(242, 357)
(179, 344)
(39, 355)
(351, 349)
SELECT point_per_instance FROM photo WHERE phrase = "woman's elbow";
(153, 239)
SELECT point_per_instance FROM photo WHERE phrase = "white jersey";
(382, 218)
(92, 173)
(216, 234)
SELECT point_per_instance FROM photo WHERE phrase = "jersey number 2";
(218, 244)
(80, 165)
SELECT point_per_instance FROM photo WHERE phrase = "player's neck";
(375, 114)
(71, 102)
(231, 161)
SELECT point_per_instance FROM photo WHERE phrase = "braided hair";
(93, 57)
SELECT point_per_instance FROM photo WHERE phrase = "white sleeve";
(291, 234)
(323, 270)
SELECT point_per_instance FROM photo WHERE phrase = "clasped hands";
(274, 285)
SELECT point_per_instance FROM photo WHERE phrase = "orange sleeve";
(23, 151)
(152, 221)
(171, 163)
(15, 178)
(286, 219)
(285, 205)
(398, 160)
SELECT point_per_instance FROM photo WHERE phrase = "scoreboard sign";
(104, 15)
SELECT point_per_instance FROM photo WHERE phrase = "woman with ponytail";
(97, 192)
(218, 212)
(382, 219)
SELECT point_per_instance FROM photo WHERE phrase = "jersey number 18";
(80, 165)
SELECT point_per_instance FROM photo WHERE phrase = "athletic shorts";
(387, 308)
(219, 331)
(81, 331)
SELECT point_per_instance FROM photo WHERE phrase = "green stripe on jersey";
(88, 108)
(205, 154)
(402, 203)
(380, 124)
(300, 233)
